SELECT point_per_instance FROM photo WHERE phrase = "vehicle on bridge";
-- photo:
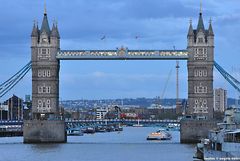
(129, 116)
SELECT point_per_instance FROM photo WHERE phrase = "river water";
(128, 145)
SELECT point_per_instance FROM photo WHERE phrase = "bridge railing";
(123, 120)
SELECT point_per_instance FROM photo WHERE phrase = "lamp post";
(11, 114)
(8, 109)
(1, 110)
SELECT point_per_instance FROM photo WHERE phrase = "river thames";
(128, 145)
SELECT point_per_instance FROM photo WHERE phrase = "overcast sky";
(160, 24)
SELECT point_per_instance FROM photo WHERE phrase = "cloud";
(99, 74)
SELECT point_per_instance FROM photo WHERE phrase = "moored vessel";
(161, 134)
(74, 132)
(223, 143)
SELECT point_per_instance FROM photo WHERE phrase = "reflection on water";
(45, 148)
(129, 145)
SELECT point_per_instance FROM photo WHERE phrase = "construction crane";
(177, 81)
(178, 103)
(165, 87)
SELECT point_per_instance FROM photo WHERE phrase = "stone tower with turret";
(45, 71)
(46, 125)
(200, 70)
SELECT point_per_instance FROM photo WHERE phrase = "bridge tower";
(200, 70)
(45, 125)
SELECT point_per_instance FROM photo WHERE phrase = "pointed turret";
(55, 37)
(190, 30)
(55, 32)
(210, 29)
(210, 34)
(34, 30)
(190, 35)
(45, 26)
(35, 34)
(200, 23)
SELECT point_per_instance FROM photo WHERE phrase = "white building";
(100, 113)
(220, 100)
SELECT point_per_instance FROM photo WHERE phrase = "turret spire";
(190, 30)
(35, 29)
(45, 7)
(200, 6)
(210, 29)
(200, 20)
(45, 26)
(55, 32)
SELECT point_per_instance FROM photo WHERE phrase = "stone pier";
(192, 131)
(44, 131)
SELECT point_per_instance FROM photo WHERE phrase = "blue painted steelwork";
(6, 86)
(233, 81)
(122, 54)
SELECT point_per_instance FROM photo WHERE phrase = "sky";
(159, 24)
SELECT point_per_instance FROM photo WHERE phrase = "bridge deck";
(122, 54)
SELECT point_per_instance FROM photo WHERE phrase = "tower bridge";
(46, 124)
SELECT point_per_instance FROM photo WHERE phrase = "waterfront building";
(179, 109)
(220, 100)
(76, 115)
(101, 112)
(15, 108)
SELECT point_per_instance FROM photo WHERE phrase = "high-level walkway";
(122, 54)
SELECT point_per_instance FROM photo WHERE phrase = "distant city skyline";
(109, 24)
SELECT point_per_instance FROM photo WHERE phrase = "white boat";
(137, 125)
(161, 134)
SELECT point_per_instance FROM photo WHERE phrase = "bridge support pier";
(192, 131)
(44, 131)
